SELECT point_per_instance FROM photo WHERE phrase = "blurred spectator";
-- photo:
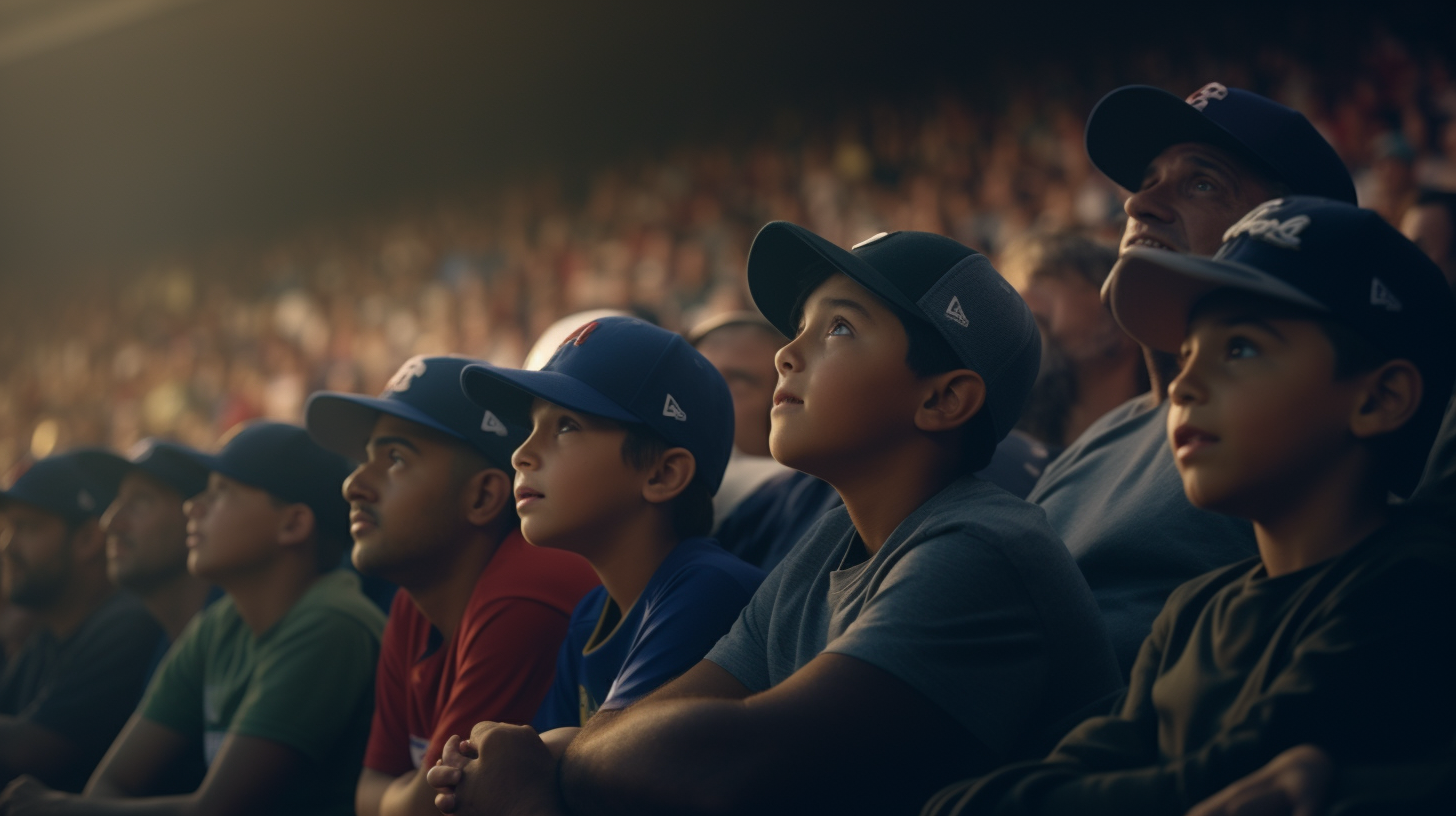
(1431, 224)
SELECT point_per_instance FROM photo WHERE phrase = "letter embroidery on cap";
(580, 335)
(956, 313)
(1279, 233)
(672, 409)
(413, 367)
(870, 240)
(1380, 295)
(1213, 90)
(492, 424)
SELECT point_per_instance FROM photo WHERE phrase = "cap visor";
(781, 266)
(508, 393)
(1132, 125)
(105, 465)
(342, 423)
(1152, 292)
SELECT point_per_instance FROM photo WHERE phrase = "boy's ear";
(955, 397)
(671, 475)
(295, 524)
(1390, 397)
(486, 494)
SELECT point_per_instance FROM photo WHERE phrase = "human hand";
(446, 773)
(512, 774)
(1292, 784)
(27, 795)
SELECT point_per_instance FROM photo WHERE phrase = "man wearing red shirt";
(475, 633)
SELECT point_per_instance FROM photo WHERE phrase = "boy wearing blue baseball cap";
(474, 634)
(67, 692)
(273, 683)
(631, 432)
(1315, 361)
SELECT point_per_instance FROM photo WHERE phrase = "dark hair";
(468, 461)
(928, 354)
(692, 509)
(328, 546)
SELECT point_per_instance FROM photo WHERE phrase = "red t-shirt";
(498, 667)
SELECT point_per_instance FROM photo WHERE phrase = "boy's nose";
(1149, 205)
(357, 487)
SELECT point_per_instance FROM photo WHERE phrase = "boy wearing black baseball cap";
(273, 683)
(933, 621)
(475, 632)
(67, 692)
(631, 433)
(1314, 367)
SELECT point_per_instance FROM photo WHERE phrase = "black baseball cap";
(1133, 124)
(165, 462)
(628, 370)
(1326, 256)
(284, 461)
(930, 277)
(63, 486)
(426, 391)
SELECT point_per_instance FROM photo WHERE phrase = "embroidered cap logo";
(492, 424)
(1279, 233)
(672, 409)
(1213, 90)
(580, 335)
(954, 311)
(413, 367)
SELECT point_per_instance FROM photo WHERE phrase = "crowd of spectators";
(188, 347)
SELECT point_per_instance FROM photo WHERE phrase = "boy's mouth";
(1146, 241)
(782, 398)
(526, 496)
(362, 521)
(1188, 440)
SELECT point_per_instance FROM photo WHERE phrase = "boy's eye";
(1240, 348)
(839, 327)
(395, 457)
(566, 425)
(1204, 185)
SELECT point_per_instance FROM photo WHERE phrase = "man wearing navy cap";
(272, 684)
(474, 634)
(68, 692)
(1194, 166)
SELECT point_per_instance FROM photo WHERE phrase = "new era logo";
(1213, 90)
(672, 409)
(870, 240)
(1381, 296)
(492, 424)
(954, 311)
(414, 367)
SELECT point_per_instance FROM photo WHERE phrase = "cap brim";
(1152, 292)
(508, 393)
(342, 423)
(781, 265)
(1132, 125)
(105, 465)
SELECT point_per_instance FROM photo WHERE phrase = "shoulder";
(972, 508)
(334, 603)
(1416, 544)
(698, 561)
(120, 622)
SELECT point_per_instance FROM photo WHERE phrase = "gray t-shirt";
(972, 601)
(1116, 499)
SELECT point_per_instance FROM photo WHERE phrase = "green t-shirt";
(308, 683)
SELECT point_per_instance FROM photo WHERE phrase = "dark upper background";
(130, 127)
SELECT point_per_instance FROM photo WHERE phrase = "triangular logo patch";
(492, 424)
(1381, 296)
(672, 409)
(956, 313)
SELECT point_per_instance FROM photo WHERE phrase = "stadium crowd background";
(189, 346)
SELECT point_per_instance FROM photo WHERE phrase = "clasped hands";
(501, 770)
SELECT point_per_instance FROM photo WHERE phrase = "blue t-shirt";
(610, 660)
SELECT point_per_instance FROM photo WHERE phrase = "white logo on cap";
(956, 313)
(1380, 295)
(672, 409)
(1213, 90)
(870, 240)
(1279, 233)
(413, 367)
(84, 501)
(492, 424)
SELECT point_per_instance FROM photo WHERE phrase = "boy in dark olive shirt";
(1314, 365)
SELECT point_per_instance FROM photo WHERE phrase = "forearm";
(407, 795)
(150, 806)
(26, 747)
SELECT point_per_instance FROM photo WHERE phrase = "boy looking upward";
(933, 621)
(1315, 364)
(631, 433)
(475, 632)
(271, 684)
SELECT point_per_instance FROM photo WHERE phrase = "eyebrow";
(1253, 320)
(391, 440)
(850, 305)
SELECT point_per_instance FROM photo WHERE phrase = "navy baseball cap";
(166, 462)
(1133, 124)
(628, 370)
(426, 391)
(284, 461)
(62, 485)
(936, 279)
(1326, 256)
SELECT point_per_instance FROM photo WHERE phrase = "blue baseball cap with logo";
(63, 486)
(940, 281)
(165, 462)
(426, 391)
(284, 461)
(627, 370)
(1329, 257)
(1135, 123)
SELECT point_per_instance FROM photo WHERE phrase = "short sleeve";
(683, 622)
(743, 652)
(174, 698)
(310, 682)
(953, 620)
(388, 751)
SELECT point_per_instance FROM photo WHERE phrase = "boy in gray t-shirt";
(933, 623)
